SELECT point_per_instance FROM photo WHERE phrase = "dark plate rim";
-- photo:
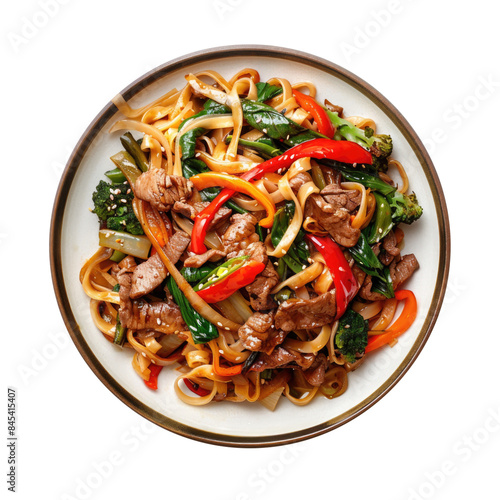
(62, 195)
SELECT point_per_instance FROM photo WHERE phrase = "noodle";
(227, 323)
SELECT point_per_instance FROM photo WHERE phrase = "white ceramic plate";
(74, 239)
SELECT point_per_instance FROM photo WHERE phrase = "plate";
(73, 239)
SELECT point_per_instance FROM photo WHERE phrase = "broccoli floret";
(113, 207)
(127, 223)
(404, 208)
(352, 335)
(379, 145)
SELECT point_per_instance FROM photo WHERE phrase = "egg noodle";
(283, 333)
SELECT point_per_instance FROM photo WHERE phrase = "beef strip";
(389, 245)
(162, 190)
(281, 357)
(259, 290)
(315, 374)
(338, 196)
(403, 269)
(235, 240)
(299, 180)
(302, 314)
(400, 270)
(238, 233)
(211, 255)
(140, 315)
(333, 218)
(149, 274)
(259, 334)
(190, 210)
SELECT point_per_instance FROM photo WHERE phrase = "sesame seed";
(128, 191)
(113, 206)
(221, 351)
(111, 197)
(158, 320)
(123, 200)
(219, 323)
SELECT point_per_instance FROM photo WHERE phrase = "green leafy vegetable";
(382, 222)
(404, 208)
(380, 145)
(113, 206)
(201, 330)
(196, 274)
(265, 91)
(265, 118)
(366, 259)
(134, 149)
(351, 338)
(298, 253)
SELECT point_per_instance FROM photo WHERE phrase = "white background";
(435, 435)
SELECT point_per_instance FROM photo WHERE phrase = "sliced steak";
(211, 255)
(315, 374)
(259, 291)
(403, 269)
(333, 218)
(259, 333)
(236, 236)
(400, 271)
(302, 314)
(162, 190)
(281, 357)
(191, 210)
(151, 273)
(139, 315)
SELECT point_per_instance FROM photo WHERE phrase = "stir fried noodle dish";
(251, 236)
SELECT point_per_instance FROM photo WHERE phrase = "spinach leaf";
(266, 119)
(367, 261)
(266, 91)
(201, 330)
(188, 140)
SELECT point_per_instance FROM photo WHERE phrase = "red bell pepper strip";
(195, 388)
(346, 285)
(152, 383)
(235, 280)
(211, 179)
(342, 151)
(405, 320)
(325, 126)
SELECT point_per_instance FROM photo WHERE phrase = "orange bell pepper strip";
(405, 320)
(309, 104)
(223, 371)
(212, 179)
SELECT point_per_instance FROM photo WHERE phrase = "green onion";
(130, 244)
